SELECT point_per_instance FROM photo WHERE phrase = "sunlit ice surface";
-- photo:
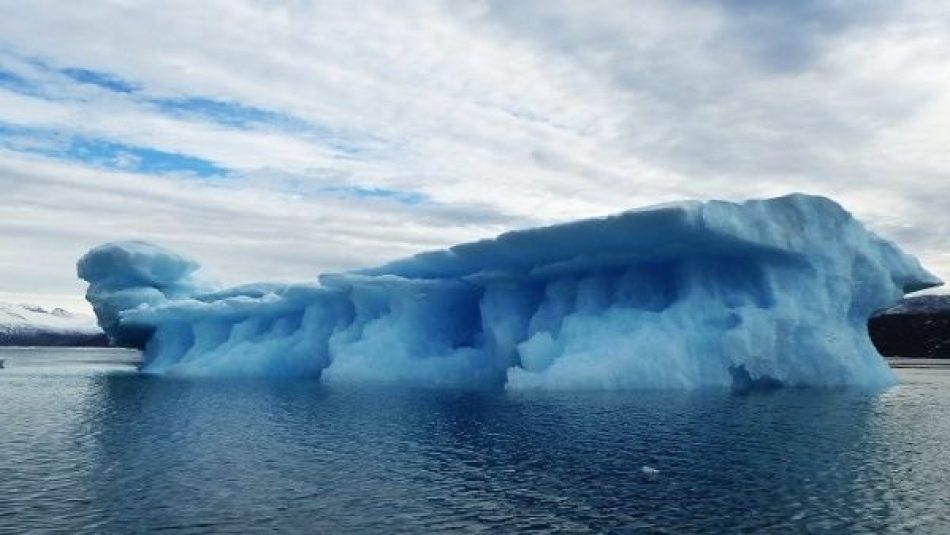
(687, 295)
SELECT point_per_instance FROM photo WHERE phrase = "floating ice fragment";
(649, 473)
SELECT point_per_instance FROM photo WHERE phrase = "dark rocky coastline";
(919, 327)
(52, 339)
(911, 335)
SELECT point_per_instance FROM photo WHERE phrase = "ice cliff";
(766, 292)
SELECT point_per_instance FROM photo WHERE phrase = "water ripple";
(89, 447)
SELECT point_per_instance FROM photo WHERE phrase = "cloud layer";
(283, 139)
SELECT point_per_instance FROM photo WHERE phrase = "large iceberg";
(692, 294)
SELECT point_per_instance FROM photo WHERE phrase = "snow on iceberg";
(762, 293)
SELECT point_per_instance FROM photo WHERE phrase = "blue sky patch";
(343, 143)
(227, 113)
(139, 159)
(242, 116)
(14, 82)
(102, 153)
(103, 80)
(361, 192)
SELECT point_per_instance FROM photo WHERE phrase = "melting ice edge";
(685, 295)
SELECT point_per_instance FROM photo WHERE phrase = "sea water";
(88, 445)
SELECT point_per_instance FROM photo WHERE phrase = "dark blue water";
(88, 446)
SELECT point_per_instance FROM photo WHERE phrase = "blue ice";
(767, 293)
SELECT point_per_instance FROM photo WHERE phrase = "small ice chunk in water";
(649, 473)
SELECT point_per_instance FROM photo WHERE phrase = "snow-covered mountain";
(23, 324)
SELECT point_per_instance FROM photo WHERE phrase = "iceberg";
(763, 293)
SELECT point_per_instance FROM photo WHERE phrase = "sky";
(276, 140)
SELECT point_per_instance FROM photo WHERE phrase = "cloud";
(331, 135)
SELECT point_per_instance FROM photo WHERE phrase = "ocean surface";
(89, 446)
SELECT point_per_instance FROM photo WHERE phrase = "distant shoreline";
(918, 335)
(47, 339)
(917, 363)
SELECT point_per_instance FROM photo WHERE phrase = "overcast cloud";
(278, 140)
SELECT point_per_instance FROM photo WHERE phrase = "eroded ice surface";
(762, 293)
